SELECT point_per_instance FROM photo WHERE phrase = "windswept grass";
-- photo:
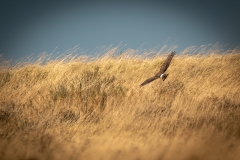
(76, 108)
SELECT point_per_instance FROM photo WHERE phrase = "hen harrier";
(160, 74)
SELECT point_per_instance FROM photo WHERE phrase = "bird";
(161, 73)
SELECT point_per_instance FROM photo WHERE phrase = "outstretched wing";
(166, 64)
(149, 80)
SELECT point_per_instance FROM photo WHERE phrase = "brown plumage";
(160, 74)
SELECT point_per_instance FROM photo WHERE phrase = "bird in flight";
(161, 73)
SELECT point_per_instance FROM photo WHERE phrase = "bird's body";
(161, 73)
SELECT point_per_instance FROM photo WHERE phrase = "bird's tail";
(164, 76)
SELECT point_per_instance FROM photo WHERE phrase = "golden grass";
(75, 108)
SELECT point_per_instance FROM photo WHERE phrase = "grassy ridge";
(79, 109)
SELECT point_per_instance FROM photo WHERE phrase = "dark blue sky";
(37, 26)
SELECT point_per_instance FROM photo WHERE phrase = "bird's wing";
(166, 64)
(149, 80)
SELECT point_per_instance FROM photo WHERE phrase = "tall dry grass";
(76, 108)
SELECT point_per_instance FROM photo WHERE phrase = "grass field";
(78, 108)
